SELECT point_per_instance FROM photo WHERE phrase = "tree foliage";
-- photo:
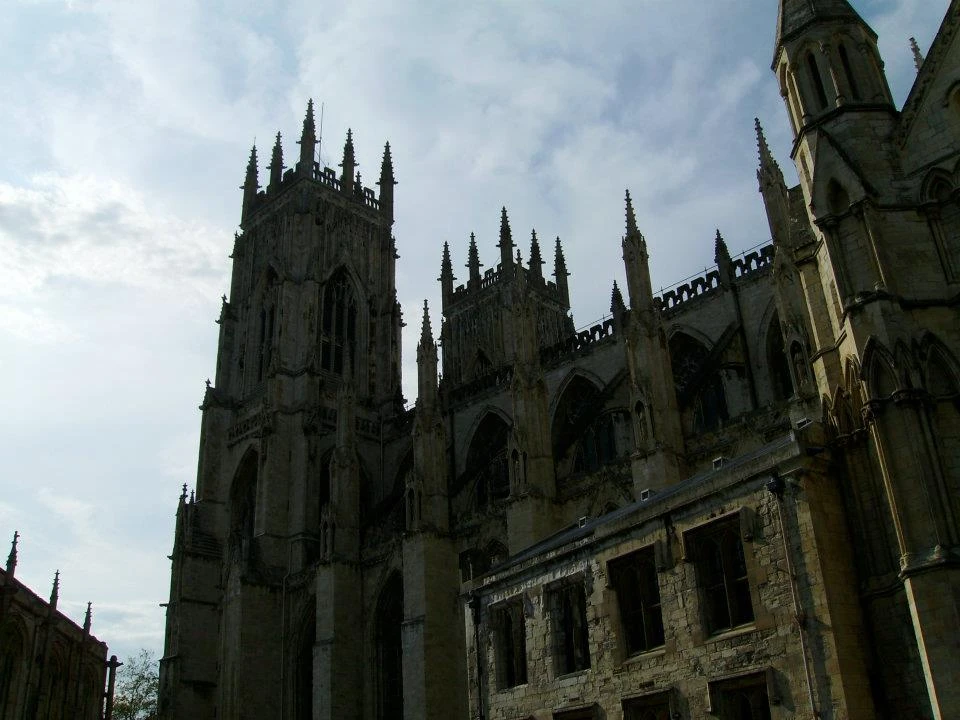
(138, 683)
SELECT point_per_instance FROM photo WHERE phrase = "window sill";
(512, 688)
(571, 675)
(731, 633)
(640, 657)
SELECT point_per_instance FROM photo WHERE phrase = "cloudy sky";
(124, 133)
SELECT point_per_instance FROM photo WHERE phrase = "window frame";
(721, 538)
(638, 567)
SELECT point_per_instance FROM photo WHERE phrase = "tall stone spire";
(308, 142)
(560, 273)
(473, 261)
(386, 182)
(506, 240)
(536, 262)
(12, 557)
(633, 231)
(446, 274)
(917, 55)
(251, 184)
(349, 164)
(55, 591)
(276, 165)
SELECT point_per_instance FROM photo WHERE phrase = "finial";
(518, 256)
(917, 55)
(183, 494)
(55, 592)
(559, 262)
(12, 557)
(308, 123)
(88, 619)
(251, 182)
(192, 497)
(473, 258)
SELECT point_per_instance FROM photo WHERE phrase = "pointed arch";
(941, 371)
(243, 503)
(388, 620)
(937, 187)
(339, 321)
(699, 387)
(778, 365)
(838, 199)
(487, 469)
(878, 370)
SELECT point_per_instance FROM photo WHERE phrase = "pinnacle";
(917, 55)
(55, 591)
(426, 332)
(720, 247)
(12, 557)
(632, 229)
(560, 263)
(616, 300)
(309, 127)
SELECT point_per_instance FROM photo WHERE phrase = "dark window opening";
(741, 698)
(338, 324)
(11, 656)
(722, 576)
(243, 506)
(634, 579)
(652, 707)
(848, 71)
(511, 645)
(571, 636)
(777, 362)
(389, 651)
(304, 669)
(817, 81)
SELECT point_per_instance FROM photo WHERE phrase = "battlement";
(747, 264)
(493, 276)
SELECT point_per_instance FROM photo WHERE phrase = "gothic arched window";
(389, 650)
(303, 677)
(777, 362)
(848, 71)
(487, 460)
(699, 387)
(817, 81)
(338, 323)
(243, 505)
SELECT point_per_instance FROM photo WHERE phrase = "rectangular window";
(510, 645)
(743, 698)
(569, 606)
(634, 579)
(649, 707)
(722, 575)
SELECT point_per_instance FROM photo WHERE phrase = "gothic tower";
(299, 442)
(872, 203)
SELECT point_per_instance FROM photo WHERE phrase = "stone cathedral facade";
(739, 498)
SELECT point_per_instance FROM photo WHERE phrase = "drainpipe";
(777, 485)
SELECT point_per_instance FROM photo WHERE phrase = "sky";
(124, 134)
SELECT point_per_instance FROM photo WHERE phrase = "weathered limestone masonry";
(738, 499)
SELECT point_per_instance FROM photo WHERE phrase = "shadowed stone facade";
(50, 667)
(738, 498)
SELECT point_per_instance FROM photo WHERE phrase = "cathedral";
(738, 498)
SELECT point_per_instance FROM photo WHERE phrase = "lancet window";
(338, 323)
